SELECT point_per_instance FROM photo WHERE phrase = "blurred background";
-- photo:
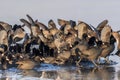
(90, 11)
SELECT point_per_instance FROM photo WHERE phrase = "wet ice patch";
(47, 67)
(87, 64)
(116, 59)
(50, 67)
(29, 78)
(10, 74)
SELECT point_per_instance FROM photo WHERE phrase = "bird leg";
(77, 62)
(107, 60)
(94, 63)
(98, 60)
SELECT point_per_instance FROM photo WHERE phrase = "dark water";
(53, 72)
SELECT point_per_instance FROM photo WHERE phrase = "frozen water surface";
(54, 72)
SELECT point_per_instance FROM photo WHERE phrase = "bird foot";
(77, 64)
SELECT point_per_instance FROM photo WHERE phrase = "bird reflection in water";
(102, 73)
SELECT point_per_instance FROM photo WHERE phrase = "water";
(54, 72)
